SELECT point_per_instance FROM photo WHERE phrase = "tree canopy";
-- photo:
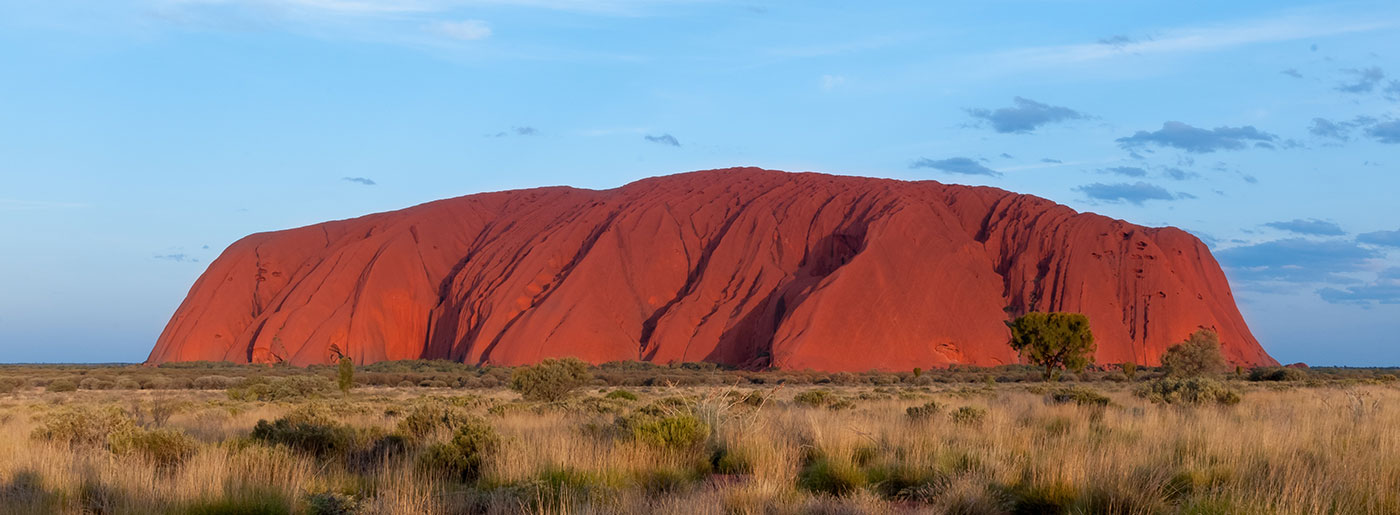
(1053, 340)
(1197, 356)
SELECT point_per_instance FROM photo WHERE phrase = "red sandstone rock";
(741, 266)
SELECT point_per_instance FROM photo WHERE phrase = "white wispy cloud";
(1185, 40)
(1060, 164)
(466, 30)
(830, 82)
(8, 204)
(389, 7)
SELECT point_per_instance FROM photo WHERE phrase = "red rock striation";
(741, 266)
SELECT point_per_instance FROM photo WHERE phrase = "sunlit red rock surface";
(745, 266)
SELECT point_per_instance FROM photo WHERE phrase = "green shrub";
(1277, 374)
(1129, 370)
(621, 395)
(345, 375)
(729, 459)
(969, 415)
(61, 385)
(279, 388)
(924, 411)
(830, 476)
(813, 398)
(214, 382)
(1188, 391)
(242, 501)
(551, 380)
(901, 481)
(84, 426)
(1198, 355)
(164, 447)
(95, 383)
(10, 384)
(840, 404)
(429, 416)
(1057, 497)
(333, 503)
(1080, 395)
(310, 429)
(667, 479)
(680, 431)
(465, 455)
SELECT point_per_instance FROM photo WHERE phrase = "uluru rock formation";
(747, 267)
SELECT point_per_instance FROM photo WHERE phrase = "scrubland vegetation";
(433, 437)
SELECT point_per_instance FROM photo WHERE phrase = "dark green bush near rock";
(1199, 355)
(1080, 395)
(813, 398)
(551, 380)
(279, 388)
(464, 456)
(923, 411)
(1277, 374)
(431, 415)
(678, 431)
(1188, 391)
(311, 430)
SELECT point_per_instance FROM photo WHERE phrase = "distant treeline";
(449, 374)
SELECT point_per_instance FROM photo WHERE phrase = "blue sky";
(138, 138)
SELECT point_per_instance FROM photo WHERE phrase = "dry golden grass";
(1320, 449)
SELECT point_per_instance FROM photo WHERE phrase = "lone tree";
(1053, 340)
(550, 380)
(346, 374)
(1197, 356)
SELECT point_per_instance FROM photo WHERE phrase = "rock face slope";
(743, 266)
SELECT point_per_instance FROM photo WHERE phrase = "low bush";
(431, 415)
(465, 455)
(1189, 391)
(902, 481)
(215, 382)
(10, 384)
(1080, 395)
(731, 459)
(164, 447)
(279, 388)
(311, 430)
(680, 431)
(551, 380)
(813, 398)
(1199, 355)
(81, 426)
(61, 385)
(840, 404)
(969, 415)
(621, 395)
(333, 503)
(95, 383)
(1277, 374)
(923, 411)
(826, 475)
